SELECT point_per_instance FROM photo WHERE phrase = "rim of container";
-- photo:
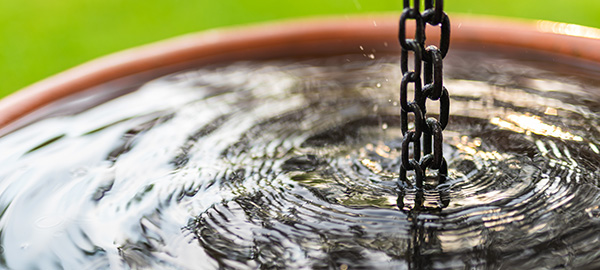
(293, 38)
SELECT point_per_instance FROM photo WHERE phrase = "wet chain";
(425, 138)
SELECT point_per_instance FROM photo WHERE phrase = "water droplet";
(378, 85)
(371, 56)
(361, 48)
(384, 126)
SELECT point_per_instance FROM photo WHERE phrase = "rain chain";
(425, 136)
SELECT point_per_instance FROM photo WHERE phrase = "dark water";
(293, 165)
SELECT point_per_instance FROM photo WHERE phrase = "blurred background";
(39, 38)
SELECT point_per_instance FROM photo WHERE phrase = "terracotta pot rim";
(295, 38)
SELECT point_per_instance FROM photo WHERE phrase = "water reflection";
(294, 165)
(533, 124)
(568, 29)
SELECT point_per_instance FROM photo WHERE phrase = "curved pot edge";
(300, 37)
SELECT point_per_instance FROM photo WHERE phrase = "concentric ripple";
(294, 164)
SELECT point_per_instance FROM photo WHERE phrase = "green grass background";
(39, 38)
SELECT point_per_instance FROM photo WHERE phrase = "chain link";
(425, 138)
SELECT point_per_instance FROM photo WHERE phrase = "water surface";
(293, 164)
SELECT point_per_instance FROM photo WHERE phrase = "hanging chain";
(425, 138)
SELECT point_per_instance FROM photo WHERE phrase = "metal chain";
(426, 135)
